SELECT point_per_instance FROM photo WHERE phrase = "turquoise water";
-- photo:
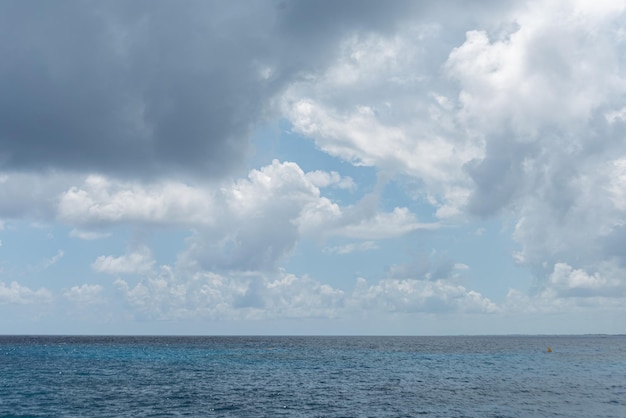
(584, 376)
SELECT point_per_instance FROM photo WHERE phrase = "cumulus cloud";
(539, 96)
(411, 295)
(569, 289)
(264, 216)
(521, 117)
(245, 224)
(261, 219)
(533, 96)
(138, 261)
(566, 279)
(15, 293)
(323, 179)
(101, 201)
(85, 294)
(384, 104)
(173, 293)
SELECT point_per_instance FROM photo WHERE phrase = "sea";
(309, 376)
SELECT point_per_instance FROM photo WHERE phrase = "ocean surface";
(512, 376)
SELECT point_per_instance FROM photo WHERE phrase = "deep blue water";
(584, 376)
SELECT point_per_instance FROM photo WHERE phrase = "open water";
(584, 376)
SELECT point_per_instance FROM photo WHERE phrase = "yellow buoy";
(549, 349)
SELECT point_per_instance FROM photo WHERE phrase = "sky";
(306, 167)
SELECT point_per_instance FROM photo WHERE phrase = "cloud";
(383, 104)
(519, 117)
(88, 235)
(15, 293)
(147, 104)
(101, 201)
(139, 261)
(85, 294)
(260, 219)
(534, 96)
(520, 78)
(512, 110)
(568, 289)
(245, 224)
(352, 247)
(173, 293)
(323, 179)
(54, 259)
(411, 295)
(385, 225)
(566, 279)
(263, 217)
(155, 88)
(290, 296)
(30, 195)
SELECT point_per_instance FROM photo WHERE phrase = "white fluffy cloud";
(264, 216)
(569, 289)
(261, 218)
(174, 294)
(15, 293)
(411, 295)
(323, 179)
(566, 279)
(85, 294)
(539, 96)
(515, 84)
(266, 192)
(138, 261)
(103, 201)
(380, 105)
(247, 224)
(522, 118)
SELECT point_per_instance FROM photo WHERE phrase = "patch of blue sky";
(486, 249)
(477, 256)
(56, 259)
(167, 244)
(164, 243)
(402, 191)
(340, 261)
(53, 259)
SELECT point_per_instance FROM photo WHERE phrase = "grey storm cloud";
(149, 88)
